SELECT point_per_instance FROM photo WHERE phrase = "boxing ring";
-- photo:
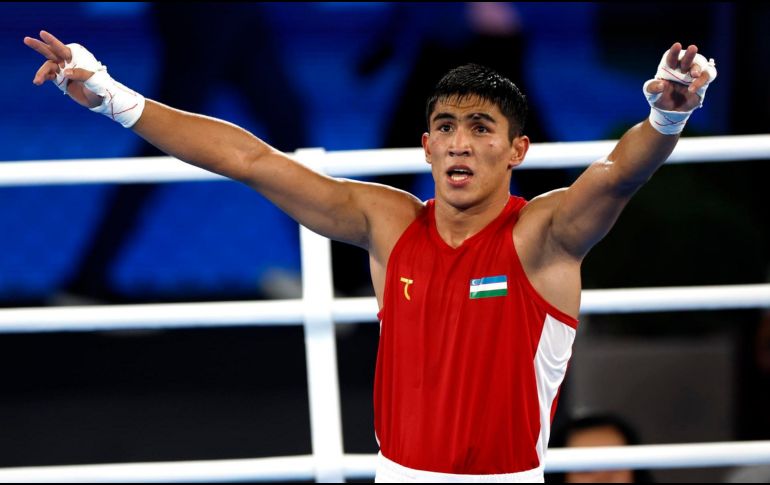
(318, 312)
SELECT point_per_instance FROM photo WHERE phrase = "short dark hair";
(589, 420)
(475, 80)
(597, 420)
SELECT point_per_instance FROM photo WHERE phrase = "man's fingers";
(673, 55)
(56, 46)
(689, 57)
(77, 74)
(47, 72)
(699, 81)
(41, 48)
(656, 86)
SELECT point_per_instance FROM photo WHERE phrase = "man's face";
(469, 151)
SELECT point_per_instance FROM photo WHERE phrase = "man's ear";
(425, 138)
(519, 148)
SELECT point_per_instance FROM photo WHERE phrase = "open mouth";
(459, 174)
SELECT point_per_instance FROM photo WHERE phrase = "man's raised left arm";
(588, 209)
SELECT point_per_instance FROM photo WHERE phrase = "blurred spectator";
(486, 33)
(596, 430)
(753, 418)
(749, 474)
(762, 344)
(750, 114)
(240, 57)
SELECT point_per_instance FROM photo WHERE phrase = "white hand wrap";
(672, 122)
(666, 122)
(118, 102)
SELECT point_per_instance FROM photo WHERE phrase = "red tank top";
(470, 357)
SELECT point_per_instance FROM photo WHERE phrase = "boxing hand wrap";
(672, 122)
(82, 59)
(666, 122)
(119, 103)
(676, 75)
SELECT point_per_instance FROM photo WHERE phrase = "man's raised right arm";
(337, 208)
(332, 207)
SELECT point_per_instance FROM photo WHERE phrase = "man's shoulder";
(389, 212)
(543, 205)
(533, 228)
(392, 202)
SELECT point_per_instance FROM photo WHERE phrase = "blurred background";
(355, 76)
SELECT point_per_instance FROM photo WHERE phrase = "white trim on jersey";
(553, 354)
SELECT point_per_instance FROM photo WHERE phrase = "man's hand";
(679, 96)
(58, 56)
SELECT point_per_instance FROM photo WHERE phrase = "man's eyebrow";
(484, 116)
(443, 116)
(471, 116)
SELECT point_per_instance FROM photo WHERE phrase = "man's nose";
(460, 144)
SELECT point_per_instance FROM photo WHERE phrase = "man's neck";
(457, 225)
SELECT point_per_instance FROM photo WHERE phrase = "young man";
(479, 291)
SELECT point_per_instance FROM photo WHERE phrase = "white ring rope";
(346, 310)
(328, 462)
(359, 163)
(362, 466)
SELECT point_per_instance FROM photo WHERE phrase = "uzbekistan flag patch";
(489, 286)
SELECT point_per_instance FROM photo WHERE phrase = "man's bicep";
(587, 210)
(340, 209)
(330, 206)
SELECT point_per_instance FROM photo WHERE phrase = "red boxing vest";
(470, 357)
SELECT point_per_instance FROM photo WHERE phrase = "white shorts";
(391, 472)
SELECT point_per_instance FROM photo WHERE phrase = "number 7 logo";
(407, 282)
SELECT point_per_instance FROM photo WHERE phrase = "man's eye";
(482, 129)
(444, 128)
